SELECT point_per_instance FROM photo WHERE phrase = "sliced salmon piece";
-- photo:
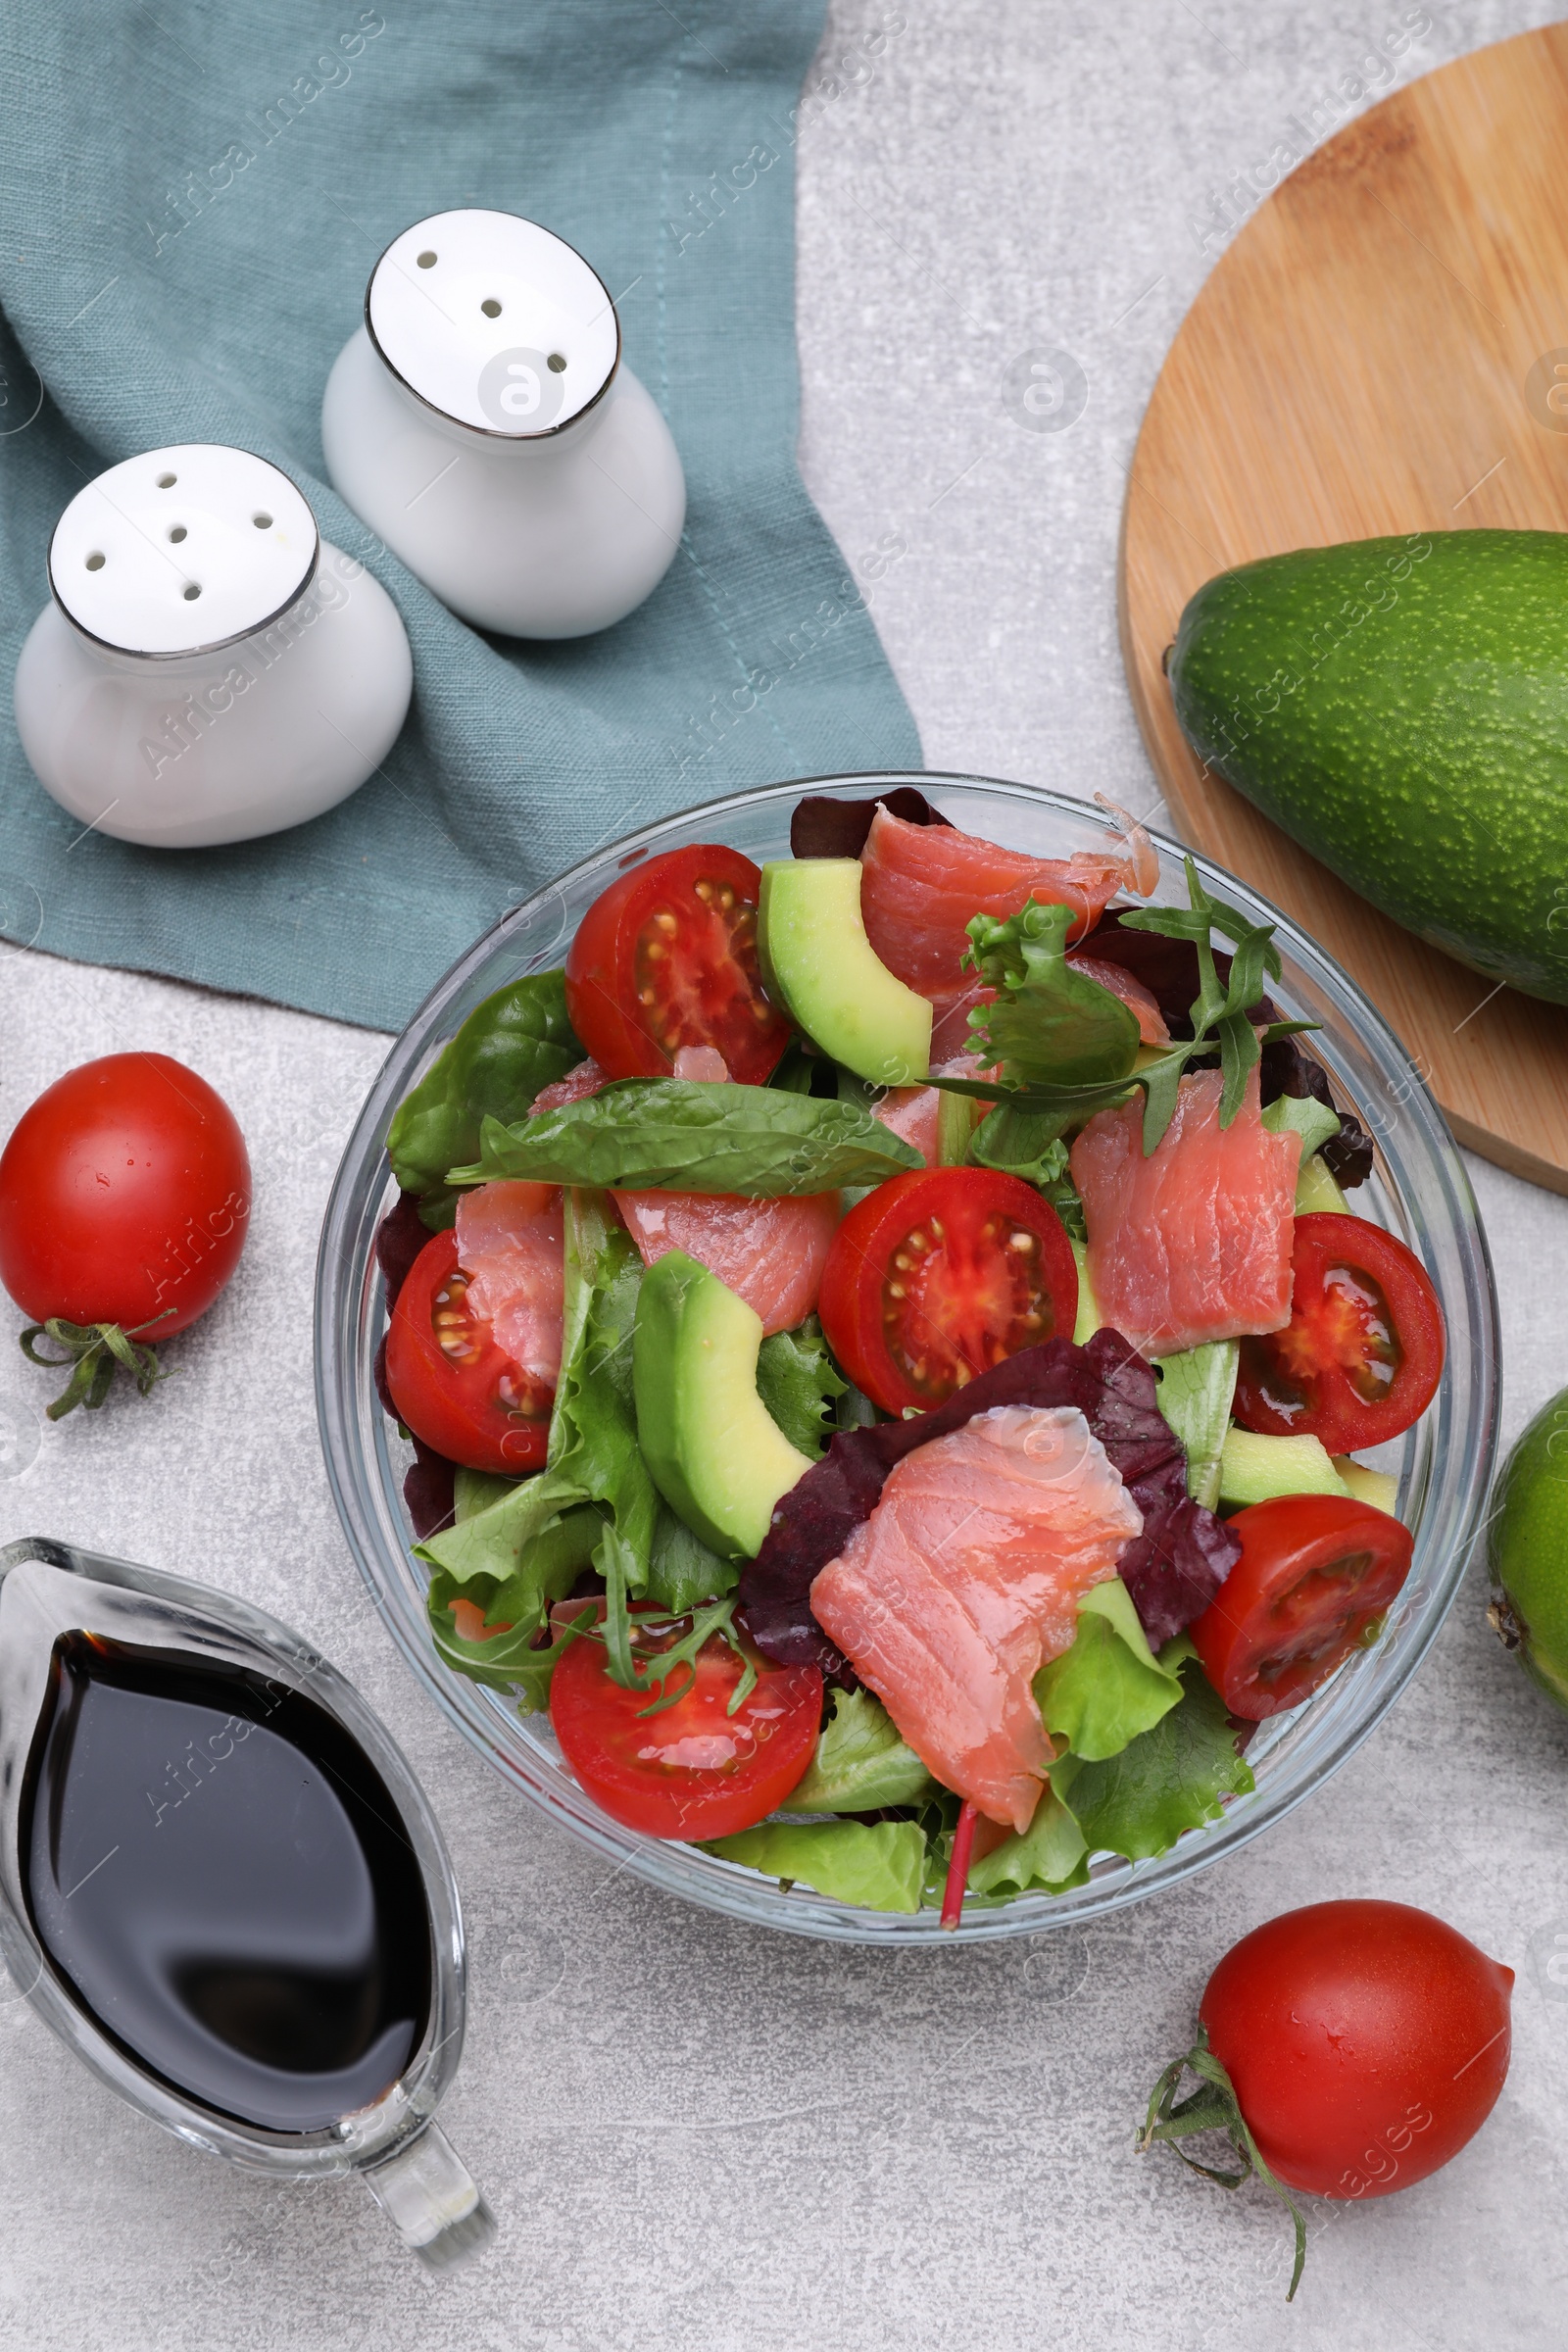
(914, 1112)
(770, 1252)
(1192, 1242)
(1151, 1028)
(965, 1579)
(702, 1065)
(578, 1085)
(922, 885)
(512, 1246)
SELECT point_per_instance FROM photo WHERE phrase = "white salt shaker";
(483, 424)
(209, 668)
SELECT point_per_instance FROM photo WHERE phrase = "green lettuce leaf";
(1051, 1855)
(682, 1571)
(1304, 1115)
(474, 1490)
(876, 1866)
(860, 1763)
(1049, 1023)
(797, 1381)
(515, 1554)
(1168, 1780)
(1195, 1392)
(515, 1043)
(1108, 1688)
(674, 1133)
(512, 1571)
(1021, 1143)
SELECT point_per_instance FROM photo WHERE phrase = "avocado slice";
(819, 966)
(1400, 708)
(1256, 1469)
(713, 1450)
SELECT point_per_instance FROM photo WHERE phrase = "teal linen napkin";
(191, 200)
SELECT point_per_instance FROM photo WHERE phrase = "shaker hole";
(263, 522)
(490, 307)
(556, 364)
(426, 261)
(177, 533)
(167, 482)
(95, 562)
(192, 591)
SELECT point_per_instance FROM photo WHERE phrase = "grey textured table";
(695, 2137)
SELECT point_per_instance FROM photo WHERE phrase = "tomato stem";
(958, 1864)
(94, 1351)
(1212, 2107)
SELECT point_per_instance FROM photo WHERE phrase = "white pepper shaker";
(209, 668)
(484, 423)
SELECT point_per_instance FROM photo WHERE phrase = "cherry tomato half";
(1366, 2042)
(938, 1275)
(1315, 1578)
(691, 1769)
(125, 1192)
(451, 1383)
(1362, 1353)
(666, 958)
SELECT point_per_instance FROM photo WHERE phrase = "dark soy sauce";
(221, 1878)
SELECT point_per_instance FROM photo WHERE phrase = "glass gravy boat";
(106, 1669)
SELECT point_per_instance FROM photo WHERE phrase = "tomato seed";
(1023, 1241)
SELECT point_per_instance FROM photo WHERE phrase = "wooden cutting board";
(1373, 353)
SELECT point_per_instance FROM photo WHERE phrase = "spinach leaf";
(860, 1763)
(1050, 1855)
(1050, 1024)
(1168, 1780)
(797, 1381)
(876, 1866)
(1108, 1688)
(515, 1043)
(645, 1133)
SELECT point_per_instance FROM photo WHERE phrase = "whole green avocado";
(1400, 706)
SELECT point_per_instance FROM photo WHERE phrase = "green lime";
(1527, 1549)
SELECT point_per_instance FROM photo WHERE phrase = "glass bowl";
(1419, 1189)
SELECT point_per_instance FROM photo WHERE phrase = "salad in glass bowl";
(937, 1379)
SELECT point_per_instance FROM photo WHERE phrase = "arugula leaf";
(797, 1381)
(1220, 1019)
(1049, 1022)
(1108, 1688)
(652, 1133)
(515, 1043)
(876, 1866)
(1051, 1855)
(1168, 1780)
(1197, 1387)
(860, 1762)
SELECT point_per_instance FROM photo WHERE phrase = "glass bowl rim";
(343, 1268)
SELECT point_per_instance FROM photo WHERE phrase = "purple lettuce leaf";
(398, 1238)
(826, 827)
(1172, 1570)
